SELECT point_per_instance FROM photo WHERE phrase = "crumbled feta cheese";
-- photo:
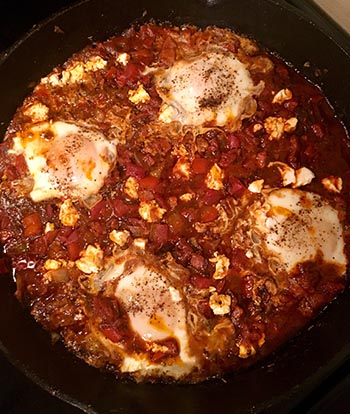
(150, 211)
(95, 63)
(256, 186)
(68, 214)
(175, 294)
(303, 176)
(295, 178)
(333, 184)
(182, 168)
(287, 172)
(214, 178)
(282, 96)
(119, 237)
(245, 351)
(91, 260)
(154, 347)
(140, 243)
(74, 73)
(52, 264)
(123, 58)
(49, 227)
(220, 304)
(139, 95)
(276, 126)
(257, 128)
(53, 80)
(131, 188)
(166, 113)
(37, 112)
(179, 151)
(290, 125)
(186, 197)
(222, 264)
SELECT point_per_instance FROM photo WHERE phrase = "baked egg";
(214, 88)
(65, 159)
(298, 226)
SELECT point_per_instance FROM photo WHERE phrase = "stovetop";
(20, 395)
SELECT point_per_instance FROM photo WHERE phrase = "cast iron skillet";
(296, 369)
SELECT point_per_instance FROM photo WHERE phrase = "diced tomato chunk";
(119, 207)
(201, 282)
(73, 250)
(32, 225)
(97, 210)
(159, 234)
(134, 170)
(198, 262)
(132, 71)
(233, 141)
(149, 183)
(236, 188)
(207, 214)
(211, 197)
(200, 166)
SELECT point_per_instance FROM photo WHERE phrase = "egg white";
(298, 226)
(65, 160)
(215, 88)
(157, 310)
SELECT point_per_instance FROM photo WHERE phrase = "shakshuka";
(174, 203)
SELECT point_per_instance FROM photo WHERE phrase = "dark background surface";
(20, 395)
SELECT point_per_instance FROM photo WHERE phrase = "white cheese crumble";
(182, 168)
(140, 95)
(75, 72)
(131, 188)
(290, 125)
(38, 112)
(119, 237)
(295, 178)
(166, 114)
(256, 186)
(220, 304)
(222, 264)
(333, 184)
(214, 178)
(245, 351)
(123, 58)
(140, 243)
(68, 214)
(277, 126)
(49, 227)
(150, 211)
(52, 264)
(186, 197)
(282, 96)
(91, 260)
